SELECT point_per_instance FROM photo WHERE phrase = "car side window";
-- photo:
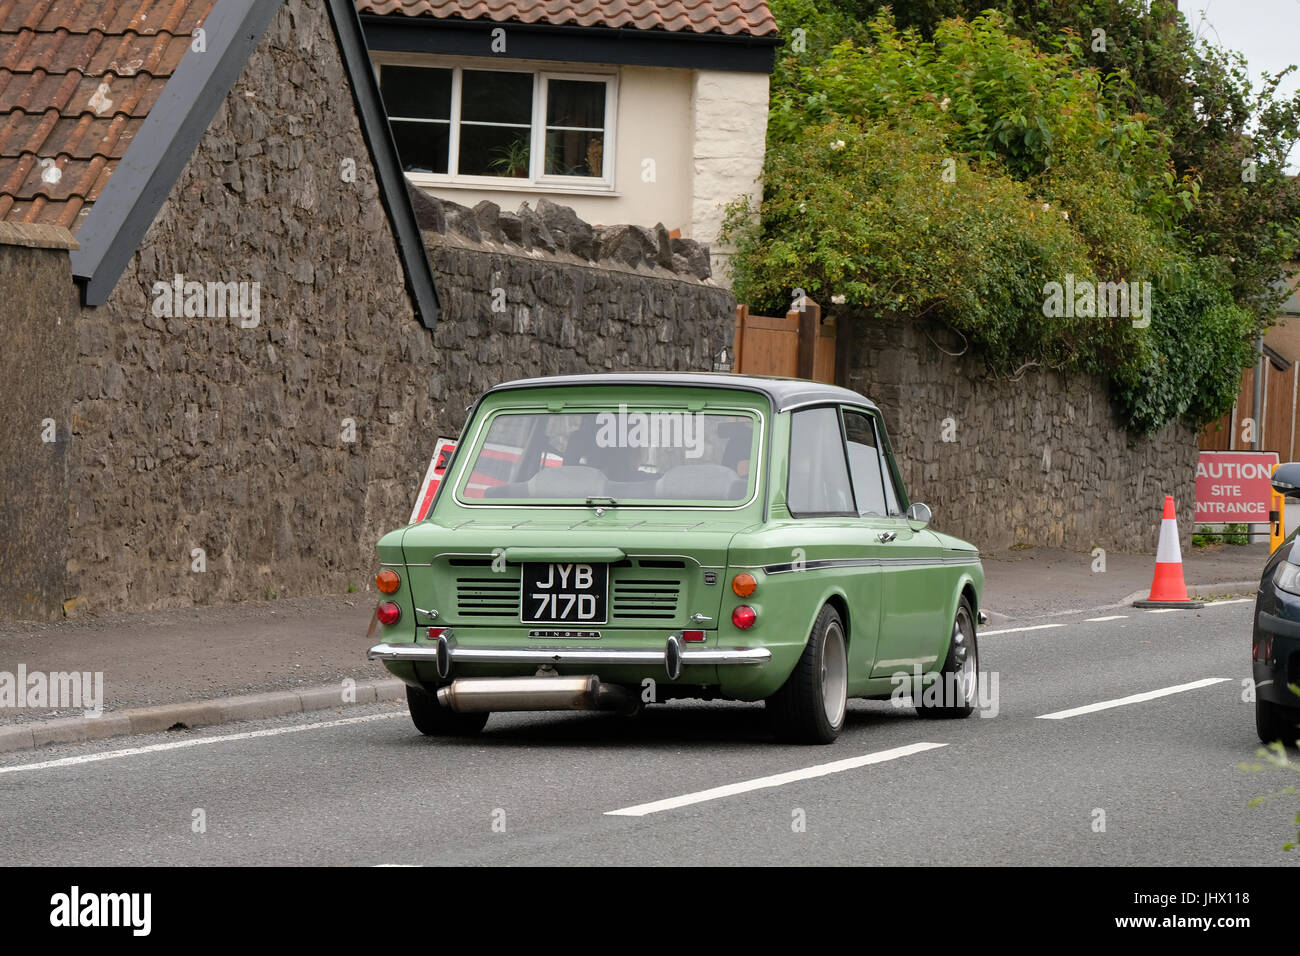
(885, 471)
(891, 493)
(819, 476)
(869, 479)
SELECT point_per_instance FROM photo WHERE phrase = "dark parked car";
(1275, 643)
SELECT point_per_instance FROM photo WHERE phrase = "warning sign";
(1234, 486)
(432, 479)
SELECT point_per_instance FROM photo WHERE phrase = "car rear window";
(628, 454)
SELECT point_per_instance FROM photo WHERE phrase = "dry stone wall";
(216, 458)
(1040, 460)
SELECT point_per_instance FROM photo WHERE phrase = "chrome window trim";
(515, 409)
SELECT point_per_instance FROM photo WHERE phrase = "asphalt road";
(365, 788)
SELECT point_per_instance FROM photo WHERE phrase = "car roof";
(784, 393)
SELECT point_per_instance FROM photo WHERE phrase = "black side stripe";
(867, 563)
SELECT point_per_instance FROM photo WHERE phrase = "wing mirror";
(918, 515)
(1286, 480)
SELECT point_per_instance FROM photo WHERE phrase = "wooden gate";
(800, 345)
(1276, 428)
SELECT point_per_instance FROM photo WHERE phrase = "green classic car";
(601, 542)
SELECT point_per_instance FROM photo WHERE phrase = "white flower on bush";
(838, 145)
(838, 299)
(945, 103)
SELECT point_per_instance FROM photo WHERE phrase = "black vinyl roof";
(784, 393)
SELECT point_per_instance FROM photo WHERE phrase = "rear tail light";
(692, 637)
(388, 613)
(744, 617)
(744, 584)
(388, 581)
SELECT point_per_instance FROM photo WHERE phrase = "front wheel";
(809, 708)
(953, 694)
(1274, 722)
(434, 720)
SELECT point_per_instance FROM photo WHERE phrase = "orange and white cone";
(1168, 589)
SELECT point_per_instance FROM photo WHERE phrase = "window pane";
(864, 462)
(493, 151)
(575, 103)
(422, 147)
(819, 478)
(630, 454)
(490, 96)
(416, 91)
(573, 153)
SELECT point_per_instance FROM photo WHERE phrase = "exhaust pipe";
(475, 695)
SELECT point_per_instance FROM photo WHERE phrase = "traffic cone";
(1168, 589)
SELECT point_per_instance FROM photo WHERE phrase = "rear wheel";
(1274, 722)
(809, 708)
(955, 693)
(434, 720)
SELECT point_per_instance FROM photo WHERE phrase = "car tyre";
(434, 720)
(960, 671)
(1275, 722)
(810, 706)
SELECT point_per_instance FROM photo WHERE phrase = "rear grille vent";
(647, 600)
(495, 595)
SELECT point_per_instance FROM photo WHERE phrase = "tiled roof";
(77, 79)
(749, 17)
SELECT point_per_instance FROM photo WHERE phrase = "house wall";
(653, 123)
(729, 123)
(213, 459)
(689, 142)
(38, 309)
(1040, 460)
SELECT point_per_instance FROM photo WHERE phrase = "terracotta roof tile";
(749, 17)
(77, 79)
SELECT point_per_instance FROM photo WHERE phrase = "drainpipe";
(1259, 392)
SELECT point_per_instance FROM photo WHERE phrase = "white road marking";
(1016, 630)
(1233, 601)
(1110, 617)
(1134, 699)
(197, 742)
(775, 780)
(1164, 610)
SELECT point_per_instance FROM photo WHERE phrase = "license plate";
(564, 593)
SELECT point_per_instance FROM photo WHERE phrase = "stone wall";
(540, 292)
(1040, 460)
(216, 459)
(38, 310)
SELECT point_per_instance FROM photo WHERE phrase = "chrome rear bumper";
(673, 657)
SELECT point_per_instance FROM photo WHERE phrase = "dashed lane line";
(775, 780)
(1133, 699)
(1017, 630)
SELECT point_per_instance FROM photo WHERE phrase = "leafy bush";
(952, 178)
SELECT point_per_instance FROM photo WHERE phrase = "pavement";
(195, 667)
(1116, 739)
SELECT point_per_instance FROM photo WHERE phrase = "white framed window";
(484, 126)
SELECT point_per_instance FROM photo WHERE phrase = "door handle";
(887, 536)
